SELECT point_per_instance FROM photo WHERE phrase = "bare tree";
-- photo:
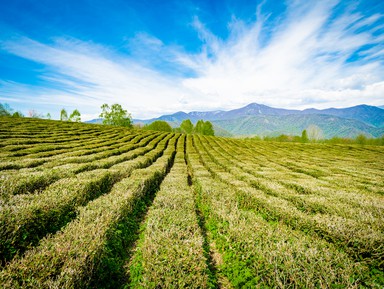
(314, 133)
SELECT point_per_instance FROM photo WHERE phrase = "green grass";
(92, 206)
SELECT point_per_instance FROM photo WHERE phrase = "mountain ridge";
(263, 120)
(370, 114)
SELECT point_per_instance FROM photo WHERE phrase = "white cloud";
(85, 76)
(303, 64)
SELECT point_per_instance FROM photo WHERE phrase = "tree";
(5, 110)
(17, 114)
(63, 115)
(199, 127)
(304, 136)
(204, 128)
(48, 116)
(208, 128)
(34, 114)
(361, 139)
(314, 133)
(75, 116)
(115, 115)
(159, 125)
(186, 126)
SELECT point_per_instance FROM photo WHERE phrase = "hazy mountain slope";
(264, 120)
(365, 113)
(368, 114)
(294, 124)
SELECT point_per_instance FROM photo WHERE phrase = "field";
(92, 206)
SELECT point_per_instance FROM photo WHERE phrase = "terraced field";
(89, 206)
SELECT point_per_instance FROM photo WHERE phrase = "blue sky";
(157, 57)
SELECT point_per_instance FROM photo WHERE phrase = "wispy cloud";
(306, 61)
(87, 75)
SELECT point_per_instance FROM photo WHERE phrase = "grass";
(92, 206)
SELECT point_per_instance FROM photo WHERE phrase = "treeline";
(115, 115)
(361, 139)
(6, 110)
(202, 127)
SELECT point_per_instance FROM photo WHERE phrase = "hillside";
(93, 206)
(368, 114)
(264, 120)
(271, 125)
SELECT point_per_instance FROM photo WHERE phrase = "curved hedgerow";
(24, 220)
(96, 206)
(84, 252)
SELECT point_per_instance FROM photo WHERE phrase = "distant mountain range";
(262, 120)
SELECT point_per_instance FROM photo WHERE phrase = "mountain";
(294, 124)
(249, 110)
(95, 121)
(365, 113)
(258, 119)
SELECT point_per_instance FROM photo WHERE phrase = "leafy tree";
(283, 138)
(63, 115)
(75, 116)
(304, 136)
(159, 125)
(48, 116)
(199, 127)
(361, 139)
(115, 115)
(204, 128)
(5, 110)
(186, 126)
(208, 128)
(17, 114)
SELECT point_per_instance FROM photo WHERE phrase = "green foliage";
(204, 128)
(361, 139)
(63, 115)
(115, 115)
(75, 116)
(159, 125)
(48, 116)
(177, 130)
(208, 129)
(199, 127)
(17, 114)
(5, 110)
(186, 126)
(304, 136)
